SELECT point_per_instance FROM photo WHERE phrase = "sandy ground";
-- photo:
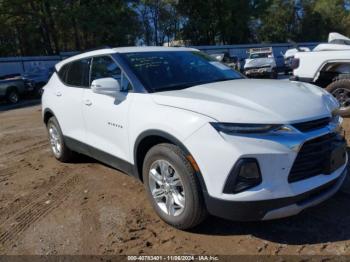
(47, 207)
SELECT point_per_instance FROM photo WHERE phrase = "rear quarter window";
(62, 73)
(76, 73)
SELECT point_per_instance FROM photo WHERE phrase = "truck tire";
(274, 74)
(173, 187)
(12, 95)
(340, 89)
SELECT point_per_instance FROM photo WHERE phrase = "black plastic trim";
(47, 110)
(256, 210)
(135, 82)
(231, 181)
(102, 156)
(301, 79)
(174, 140)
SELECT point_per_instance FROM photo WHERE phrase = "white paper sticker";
(220, 65)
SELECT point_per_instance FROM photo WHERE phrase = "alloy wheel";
(343, 97)
(167, 188)
(55, 140)
(13, 97)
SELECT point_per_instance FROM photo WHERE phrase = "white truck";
(288, 57)
(328, 66)
(261, 62)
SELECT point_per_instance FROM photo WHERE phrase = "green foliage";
(215, 21)
(45, 27)
(322, 17)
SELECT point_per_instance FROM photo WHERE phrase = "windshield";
(259, 55)
(173, 70)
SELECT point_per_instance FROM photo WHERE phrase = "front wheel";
(172, 186)
(340, 89)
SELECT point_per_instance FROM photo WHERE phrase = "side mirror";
(105, 86)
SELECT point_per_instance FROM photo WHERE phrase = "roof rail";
(97, 48)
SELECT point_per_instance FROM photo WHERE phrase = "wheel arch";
(331, 69)
(10, 88)
(48, 113)
(147, 139)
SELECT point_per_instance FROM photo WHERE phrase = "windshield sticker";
(220, 66)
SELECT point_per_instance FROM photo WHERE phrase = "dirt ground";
(47, 207)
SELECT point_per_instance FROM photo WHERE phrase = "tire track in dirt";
(42, 189)
(13, 227)
(6, 173)
(17, 153)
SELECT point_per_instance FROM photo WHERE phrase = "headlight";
(230, 128)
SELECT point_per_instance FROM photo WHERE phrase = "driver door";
(106, 116)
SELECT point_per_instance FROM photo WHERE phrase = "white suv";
(201, 137)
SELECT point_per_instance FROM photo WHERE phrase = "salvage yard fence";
(19, 65)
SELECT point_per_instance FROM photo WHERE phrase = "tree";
(216, 21)
(159, 20)
(280, 22)
(46, 27)
(322, 17)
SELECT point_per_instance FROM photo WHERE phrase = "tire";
(61, 152)
(187, 192)
(340, 89)
(274, 74)
(38, 92)
(12, 96)
(346, 185)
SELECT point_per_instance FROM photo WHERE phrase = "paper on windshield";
(220, 65)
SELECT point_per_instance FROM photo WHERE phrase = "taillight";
(295, 63)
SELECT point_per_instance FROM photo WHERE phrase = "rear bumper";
(273, 208)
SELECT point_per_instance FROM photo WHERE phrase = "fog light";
(244, 175)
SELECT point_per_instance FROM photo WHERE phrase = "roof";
(131, 49)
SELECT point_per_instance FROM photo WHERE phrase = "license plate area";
(336, 159)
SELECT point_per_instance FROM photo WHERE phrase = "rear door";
(68, 95)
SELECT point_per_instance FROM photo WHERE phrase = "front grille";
(256, 67)
(312, 157)
(312, 125)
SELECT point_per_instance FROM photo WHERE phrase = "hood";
(252, 101)
(259, 62)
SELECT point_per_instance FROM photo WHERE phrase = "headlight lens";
(230, 128)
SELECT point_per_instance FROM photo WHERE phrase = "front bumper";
(264, 71)
(273, 208)
(275, 197)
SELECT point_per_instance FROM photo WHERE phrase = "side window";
(78, 73)
(63, 72)
(104, 66)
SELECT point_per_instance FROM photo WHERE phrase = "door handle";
(87, 102)
(58, 93)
